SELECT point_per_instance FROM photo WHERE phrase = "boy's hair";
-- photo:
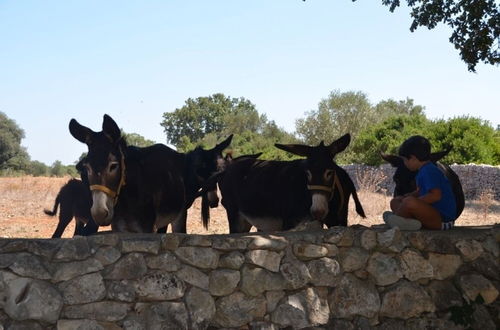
(416, 145)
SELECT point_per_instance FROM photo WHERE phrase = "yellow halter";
(331, 190)
(111, 193)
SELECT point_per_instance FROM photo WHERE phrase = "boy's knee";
(411, 202)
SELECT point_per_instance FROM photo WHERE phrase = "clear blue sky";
(136, 60)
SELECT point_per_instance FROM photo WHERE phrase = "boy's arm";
(432, 196)
(412, 194)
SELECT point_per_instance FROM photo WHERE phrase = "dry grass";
(23, 199)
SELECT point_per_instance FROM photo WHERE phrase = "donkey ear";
(394, 160)
(228, 157)
(110, 128)
(296, 149)
(435, 156)
(224, 144)
(80, 132)
(340, 144)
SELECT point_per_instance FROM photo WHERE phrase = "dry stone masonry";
(341, 278)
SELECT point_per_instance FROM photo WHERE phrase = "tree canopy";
(204, 121)
(10, 140)
(475, 25)
(134, 139)
(471, 140)
(349, 112)
(215, 114)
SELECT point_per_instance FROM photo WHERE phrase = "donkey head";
(403, 178)
(104, 166)
(319, 169)
(207, 162)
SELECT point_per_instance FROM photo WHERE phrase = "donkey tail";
(359, 207)
(205, 211)
(54, 211)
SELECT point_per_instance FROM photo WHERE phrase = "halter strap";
(111, 193)
(331, 190)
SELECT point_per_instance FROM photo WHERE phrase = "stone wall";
(341, 278)
(474, 178)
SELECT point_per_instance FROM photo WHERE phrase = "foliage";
(340, 113)
(207, 120)
(349, 112)
(390, 107)
(216, 114)
(475, 25)
(472, 140)
(134, 139)
(386, 137)
(39, 169)
(10, 142)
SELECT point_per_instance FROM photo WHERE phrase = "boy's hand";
(432, 196)
(413, 194)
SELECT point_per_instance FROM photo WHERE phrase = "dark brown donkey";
(278, 195)
(141, 189)
(404, 179)
(74, 201)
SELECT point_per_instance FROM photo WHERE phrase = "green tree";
(57, 169)
(204, 115)
(473, 140)
(134, 139)
(475, 25)
(349, 112)
(338, 114)
(38, 168)
(388, 108)
(11, 152)
(386, 137)
(207, 120)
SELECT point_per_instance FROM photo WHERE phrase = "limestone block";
(384, 268)
(352, 297)
(200, 257)
(406, 300)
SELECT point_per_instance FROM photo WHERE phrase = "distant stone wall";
(341, 278)
(475, 179)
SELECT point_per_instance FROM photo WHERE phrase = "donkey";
(75, 201)
(210, 185)
(141, 189)
(404, 179)
(278, 195)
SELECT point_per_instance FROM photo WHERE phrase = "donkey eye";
(113, 167)
(328, 174)
(309, 175)
(87, 168)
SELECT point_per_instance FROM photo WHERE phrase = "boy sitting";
(432, 205)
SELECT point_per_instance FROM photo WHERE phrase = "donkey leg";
(79, 227)
(236, 223)
(179, 225)
(90, 228)
(65, 217)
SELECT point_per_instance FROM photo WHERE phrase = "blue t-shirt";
(430, 177)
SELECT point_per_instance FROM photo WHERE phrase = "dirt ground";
(23, 199)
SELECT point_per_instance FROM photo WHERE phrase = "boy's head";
(417, 146)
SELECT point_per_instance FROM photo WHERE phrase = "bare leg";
(396, 203)
(412, 207)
